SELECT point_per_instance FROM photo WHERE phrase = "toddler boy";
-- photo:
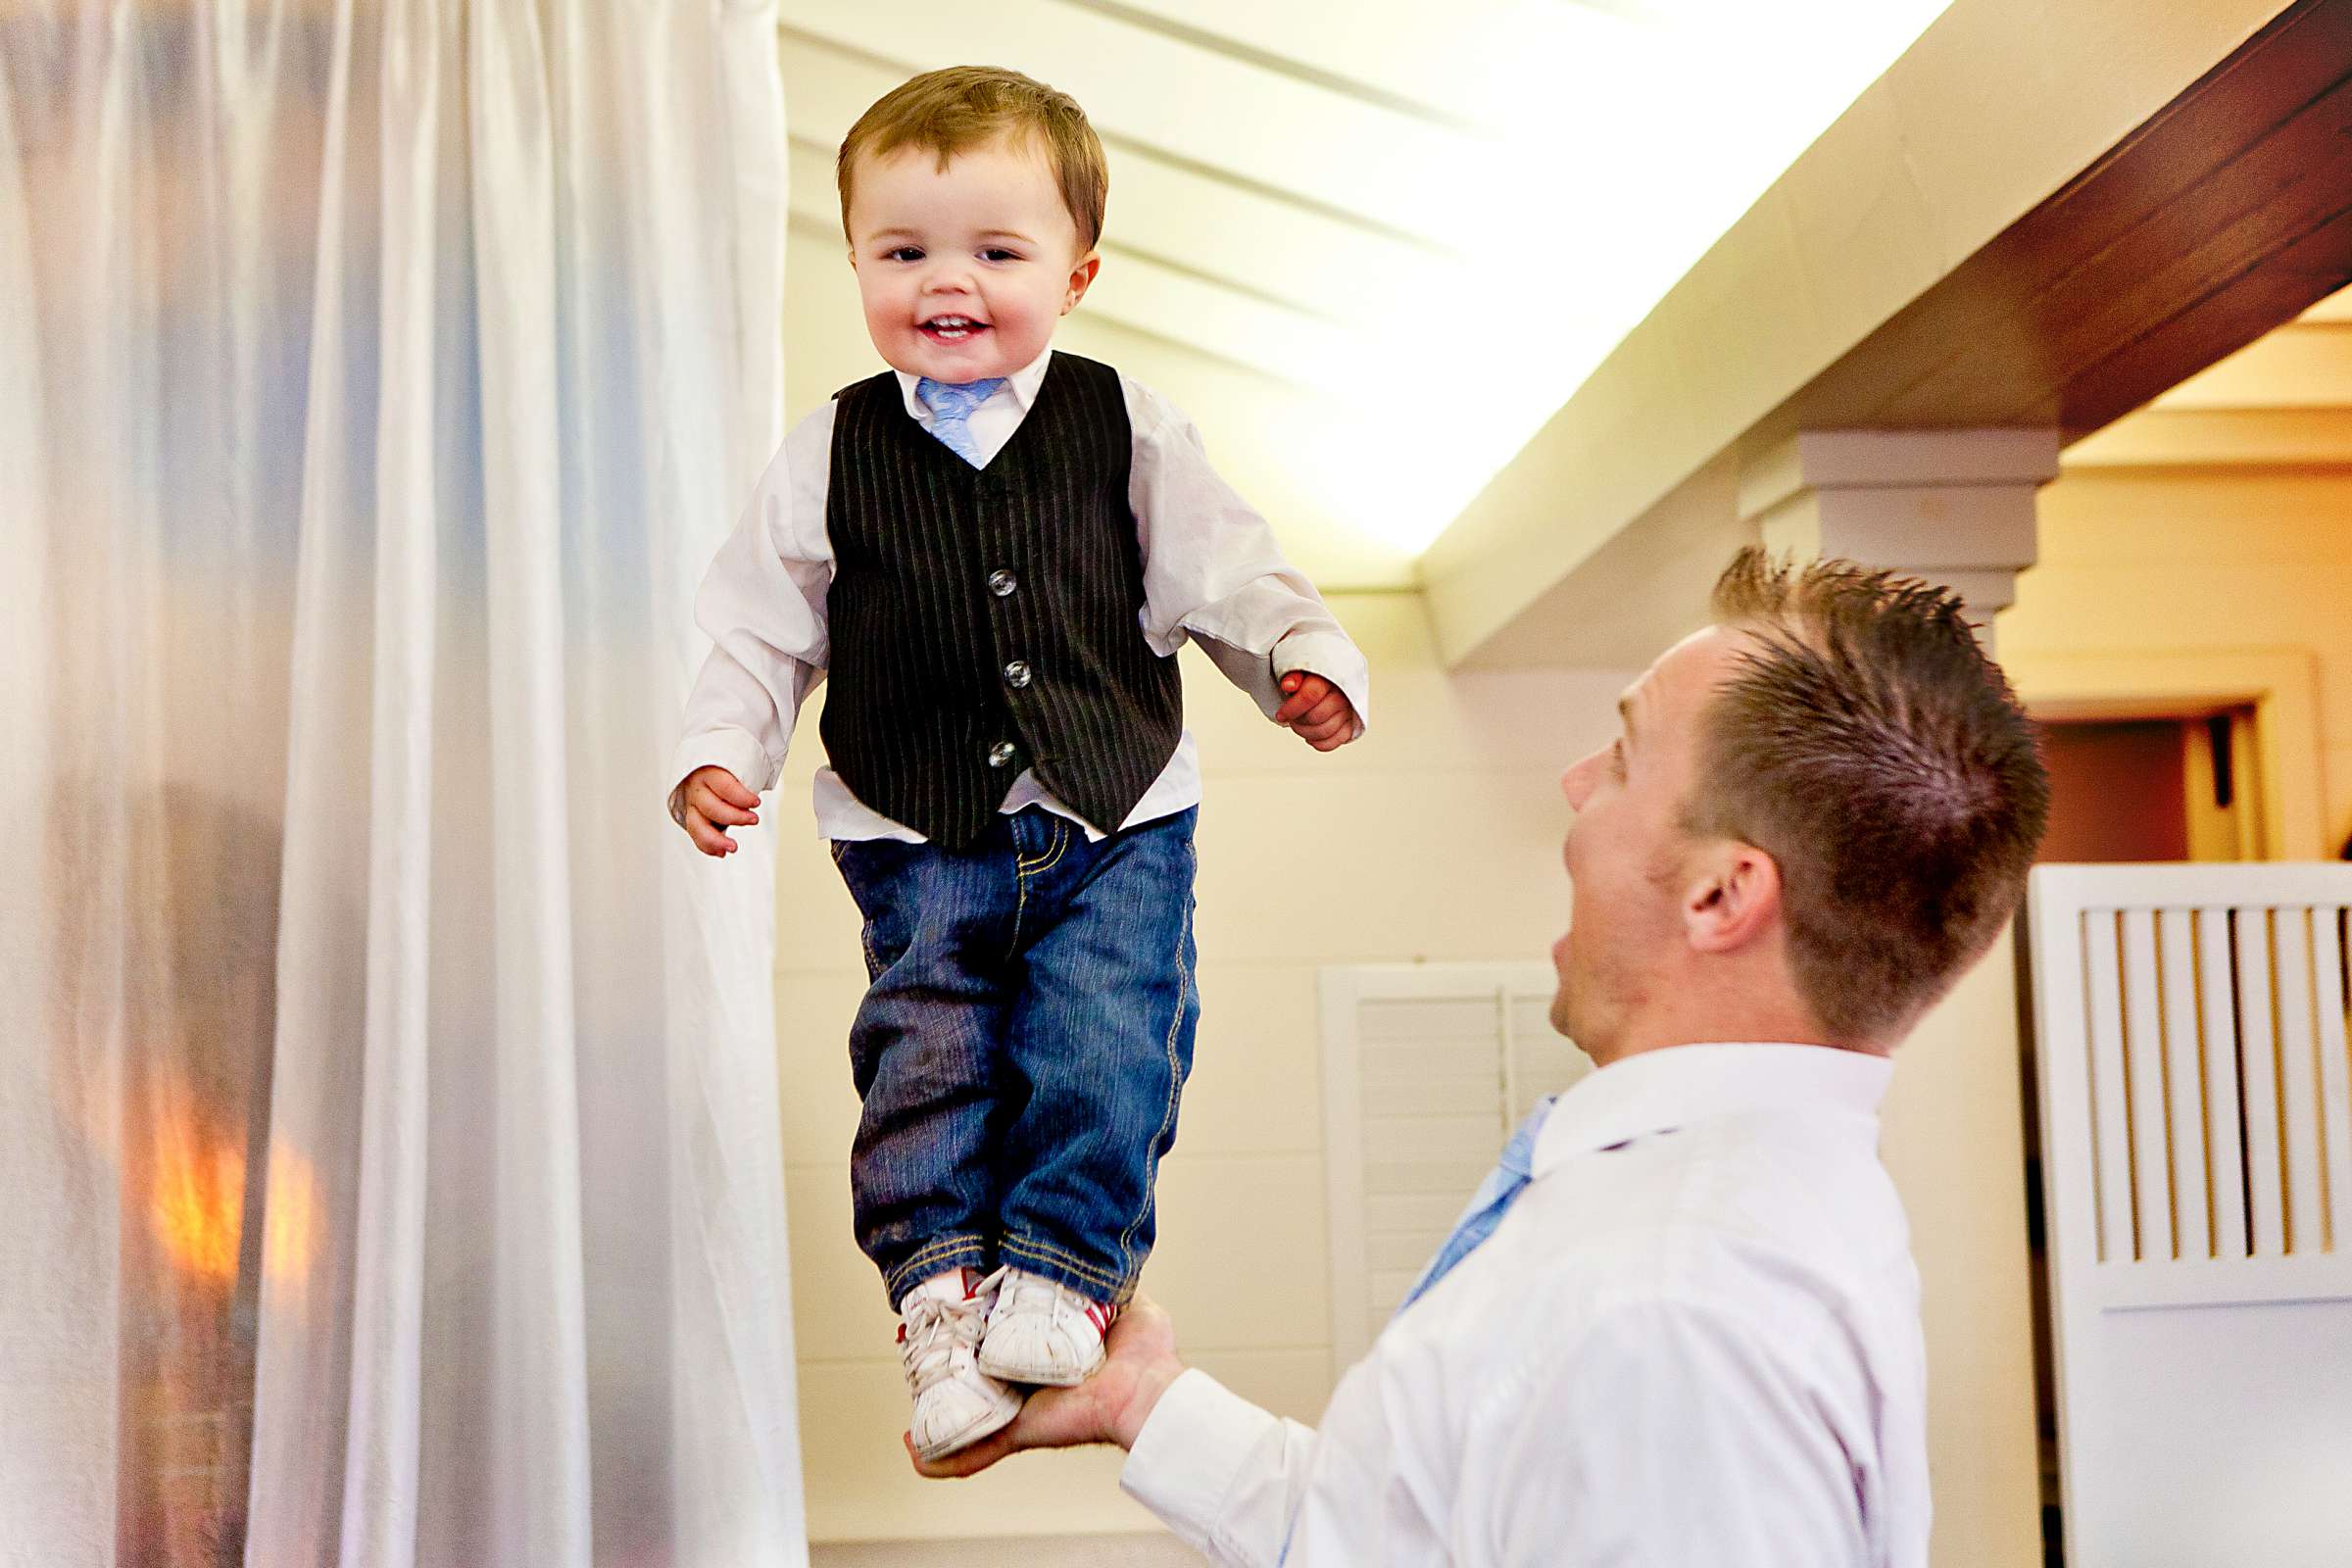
(994, 551)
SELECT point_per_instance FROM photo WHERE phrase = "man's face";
(1624, 849)
(963, 272)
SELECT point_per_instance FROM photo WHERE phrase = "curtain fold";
(397, 1090)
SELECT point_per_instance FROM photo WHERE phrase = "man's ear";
(1082, 278)
(1734, 898)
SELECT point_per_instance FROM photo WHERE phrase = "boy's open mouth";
(952, 328)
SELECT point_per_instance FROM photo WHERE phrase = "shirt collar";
(1674, 1087)
(1023, 384)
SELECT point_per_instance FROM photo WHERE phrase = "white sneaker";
(1042, 1331)
(955, 1403)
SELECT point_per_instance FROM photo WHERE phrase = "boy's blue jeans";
(1020, 1051)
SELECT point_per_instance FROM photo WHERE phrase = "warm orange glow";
(196, 1200)
(197, 1204)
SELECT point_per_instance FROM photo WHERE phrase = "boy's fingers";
(1309, 690)
(1330, 732)
(732, 790)
(716, 809)
(707, 838)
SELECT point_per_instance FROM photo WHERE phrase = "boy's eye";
(903, 253)
(998, 253)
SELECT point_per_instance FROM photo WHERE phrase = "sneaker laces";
(1052, 1298)
(1021, 1286)
(937, 1330)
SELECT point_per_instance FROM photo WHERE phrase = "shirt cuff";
(737, 751)
(1191, 1452)
(1331, 656)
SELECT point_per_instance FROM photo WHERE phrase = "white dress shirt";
(1212, 573)
(1693, 1342)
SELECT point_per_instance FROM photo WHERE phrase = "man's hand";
(1108, 1408)
(706, 803)
(1316, 711)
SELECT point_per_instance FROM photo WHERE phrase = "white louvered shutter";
(1426, 1070)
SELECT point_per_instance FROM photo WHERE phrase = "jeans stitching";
(1052, 856)
(1045, 1251)
(939, 1246)
(1020, 906)
(945, 1246)
(1167, 1118)
(1023, 870)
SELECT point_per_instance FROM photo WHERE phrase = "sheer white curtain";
(388, 1116)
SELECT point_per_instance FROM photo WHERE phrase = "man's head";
(972, 199)
(1819, 813)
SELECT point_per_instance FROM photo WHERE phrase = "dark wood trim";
(2227, 213)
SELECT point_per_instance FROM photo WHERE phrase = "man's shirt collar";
(1678, 1085)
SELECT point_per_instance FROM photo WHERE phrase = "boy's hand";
(1108, 1408)
(707, 802)
(1316, 711)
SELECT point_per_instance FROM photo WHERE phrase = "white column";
(1952, 507)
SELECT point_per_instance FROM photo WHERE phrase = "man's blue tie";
(952, 404)
(1496, 1195)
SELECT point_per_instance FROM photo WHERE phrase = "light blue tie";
(952, 404)
(1495, 1196)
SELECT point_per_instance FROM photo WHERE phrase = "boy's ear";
(1082, 276)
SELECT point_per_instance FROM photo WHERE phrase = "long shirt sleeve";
(1667, 1434)
(1212, 571)
(762, 606)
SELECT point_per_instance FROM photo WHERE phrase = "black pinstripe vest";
(986, 620)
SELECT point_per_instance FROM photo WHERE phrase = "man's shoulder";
(1742, 1209)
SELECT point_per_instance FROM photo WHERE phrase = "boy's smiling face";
(964, 272)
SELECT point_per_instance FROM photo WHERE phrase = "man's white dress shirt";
(1212, 573)
(1693, 1342)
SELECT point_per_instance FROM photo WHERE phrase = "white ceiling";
(1368, 246)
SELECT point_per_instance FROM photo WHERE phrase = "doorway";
(2181, 787)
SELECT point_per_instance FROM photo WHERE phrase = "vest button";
(1002, 583)
(1017, 674)
(1001, 755)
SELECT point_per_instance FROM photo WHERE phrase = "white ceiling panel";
(1369, 246)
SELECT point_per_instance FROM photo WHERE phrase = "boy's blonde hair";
(963, 107)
